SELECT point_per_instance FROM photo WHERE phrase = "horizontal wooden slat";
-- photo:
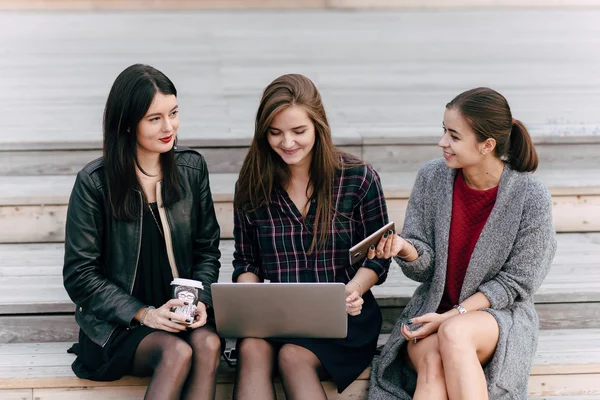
(38, 328)
(574, 278)
(70, 5)
(16, 394)
(566, 363)
(444, 4)
(63, 162)
(374, 80)
(62, 327)
(357, 390)
(88, 5)
(32, 209)
(397, 185)
(554, 158)
(565, 385)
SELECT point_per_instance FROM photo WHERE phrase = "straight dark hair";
(489, 116)
(128, 101)
(263, 169)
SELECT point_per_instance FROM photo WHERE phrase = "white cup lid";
(187, 282)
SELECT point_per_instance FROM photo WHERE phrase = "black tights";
(301, 371)
(181, 367)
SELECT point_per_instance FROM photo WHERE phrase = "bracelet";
(460, 309)
(359, 285)
(144, 314)
(410, 253)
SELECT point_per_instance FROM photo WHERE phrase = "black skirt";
(115, 360)
(345, 359)
(152, 287)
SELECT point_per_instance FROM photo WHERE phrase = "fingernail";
(188, 321)
(372, 247)
(390, 231)
(385, 236)
(186, 303)
(409, 322)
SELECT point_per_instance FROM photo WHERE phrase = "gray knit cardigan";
(509, 262)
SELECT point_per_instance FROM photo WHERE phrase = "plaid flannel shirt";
(272, 241)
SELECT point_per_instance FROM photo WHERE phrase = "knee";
(207, 344)
(431, 364)
(253, 349)
(451, 338)
(177, 354)
(291, 357)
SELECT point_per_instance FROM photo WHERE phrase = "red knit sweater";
(470, 211)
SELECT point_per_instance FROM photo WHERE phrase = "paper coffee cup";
(186, 290)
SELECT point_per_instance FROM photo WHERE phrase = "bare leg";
(255, 369)
(202, 379)
(427, 361)
(168, 359)
(301, 372)
(467, 342)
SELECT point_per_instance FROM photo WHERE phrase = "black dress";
(152, 287)
(345, 359)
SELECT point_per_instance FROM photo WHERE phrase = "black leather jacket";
(101, 252)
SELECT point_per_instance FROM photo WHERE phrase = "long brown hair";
(263, 169)
(489, 116)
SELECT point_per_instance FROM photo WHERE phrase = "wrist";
(146, 315)
(358, 285)
(450, 313)
(408, 251)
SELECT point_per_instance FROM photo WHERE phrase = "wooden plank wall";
(42, 224)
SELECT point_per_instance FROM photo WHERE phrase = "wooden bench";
(43, 313)
(567, 362)
(33, 208)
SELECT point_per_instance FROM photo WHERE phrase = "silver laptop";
(285, 310)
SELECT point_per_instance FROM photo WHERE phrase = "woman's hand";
(200, 316)
(389, 246)
(354, 301)
(430, 323)
(165, 320)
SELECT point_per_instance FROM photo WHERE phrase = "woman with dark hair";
(300, 204)
(138, 217)
(478, 234)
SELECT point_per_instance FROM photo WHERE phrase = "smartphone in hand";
(360, 250)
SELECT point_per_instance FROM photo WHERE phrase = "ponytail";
(521, 152)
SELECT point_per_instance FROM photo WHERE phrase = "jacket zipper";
(136, 262)
(164, 220)
(137, 259)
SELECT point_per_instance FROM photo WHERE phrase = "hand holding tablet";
(360, 250)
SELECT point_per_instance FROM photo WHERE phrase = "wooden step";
(567, 363)
(569, 295)
(387, 153)
(33, 208)
(222, 63)
(383, 89)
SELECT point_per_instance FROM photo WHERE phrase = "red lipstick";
(166, 139)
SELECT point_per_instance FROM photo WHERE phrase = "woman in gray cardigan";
(478, 234)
